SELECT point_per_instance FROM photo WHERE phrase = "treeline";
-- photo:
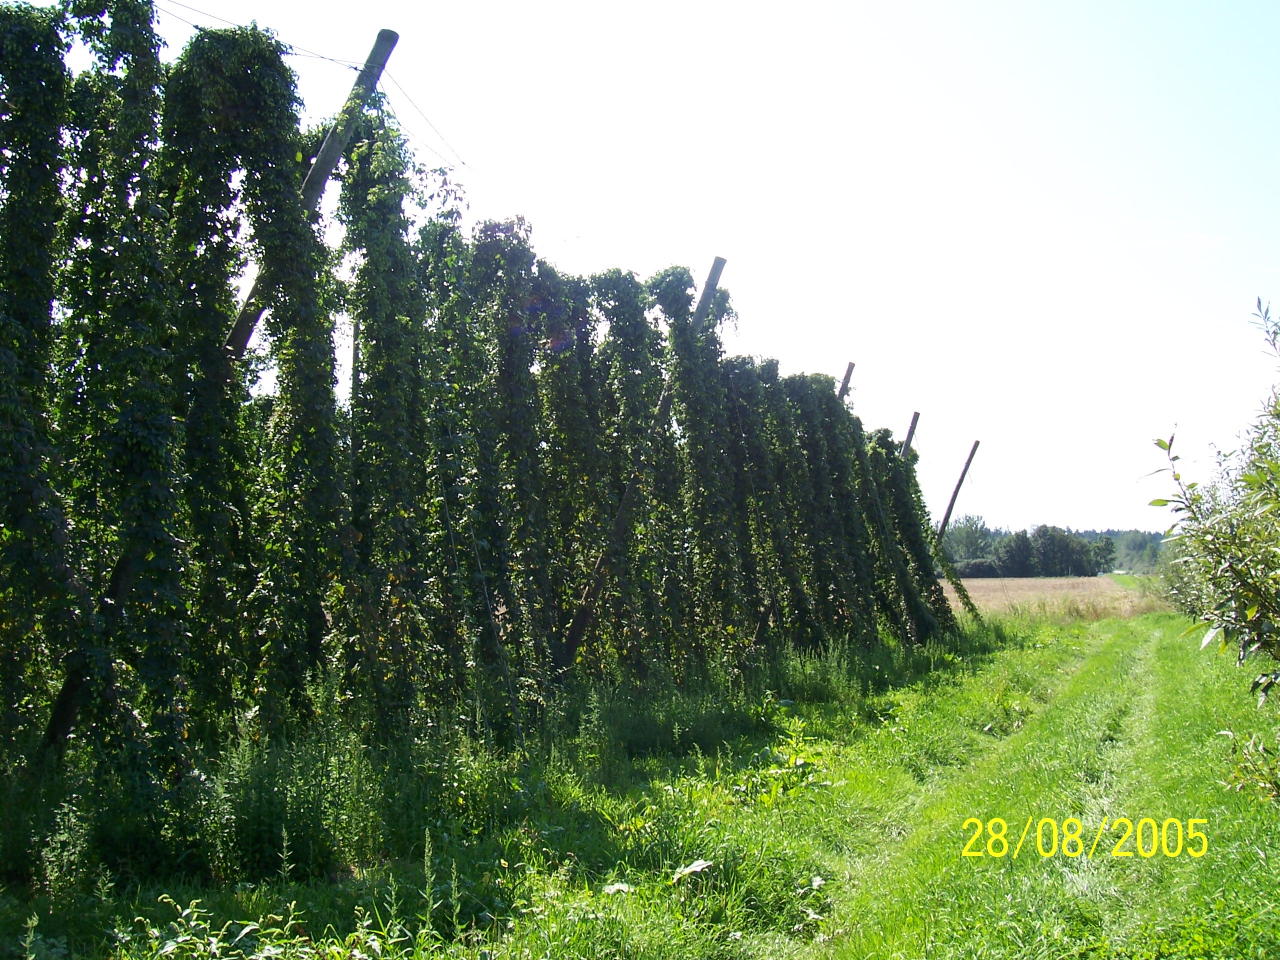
(506, 506)
(1136, 551)
(977, 550)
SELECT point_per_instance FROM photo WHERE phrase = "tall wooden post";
(844, 384)
(911, 432)
(335, 142)
(946, 517)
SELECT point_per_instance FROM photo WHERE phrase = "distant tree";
(968, 539)
(1136, 551)
(1050, 551)
(1083, 560)
(1013, 555)
(980, 567)
(1059, 553)
(1149, 560)
(1104, 555)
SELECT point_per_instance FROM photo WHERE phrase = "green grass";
(1131, 580)
(1131, 730)
(831, 826)
(1147, 583)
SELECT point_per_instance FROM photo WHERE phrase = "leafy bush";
(981, 567)
(1228, 534)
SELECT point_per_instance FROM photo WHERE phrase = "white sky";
(1043, 226)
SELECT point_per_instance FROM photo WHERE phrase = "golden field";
(1085, 598)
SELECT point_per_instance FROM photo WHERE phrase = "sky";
(1042, 226)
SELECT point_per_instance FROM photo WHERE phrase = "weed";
(1257, 766)
(636, 833)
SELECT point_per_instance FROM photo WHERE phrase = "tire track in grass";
(884, 778)
(1174, 767)
(919, 897)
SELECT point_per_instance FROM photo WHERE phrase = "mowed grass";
(837, 834)
(1131, 729)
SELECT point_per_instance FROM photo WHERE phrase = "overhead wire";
(422, 113)
(294, 49)
(420, 141)
(203, 13)
(178, 17)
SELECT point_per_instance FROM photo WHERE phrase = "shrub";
(980, 567)
(1228, 535)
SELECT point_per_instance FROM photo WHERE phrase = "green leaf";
(1210, 636)
(696, 867)
(1158, 502)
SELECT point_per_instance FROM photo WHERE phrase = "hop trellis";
(506, 501)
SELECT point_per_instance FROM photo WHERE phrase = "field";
(1084, 598)
(544, 628)
(833, 826)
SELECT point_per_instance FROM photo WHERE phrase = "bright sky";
(1044, 226)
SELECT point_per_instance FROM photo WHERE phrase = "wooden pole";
(335, 142)
(844, 385)
(946, 517)
(911, 432)
(566, 651)
(703, 308)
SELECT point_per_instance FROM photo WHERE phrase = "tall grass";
(810, 805)
(469, 826)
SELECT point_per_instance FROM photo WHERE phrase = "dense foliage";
(1227, 534)
(1136, 551)
(206, 558)
(978, 551)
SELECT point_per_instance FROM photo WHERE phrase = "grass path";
(1122, 722)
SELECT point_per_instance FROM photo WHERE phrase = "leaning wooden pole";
(946, 517)
(110, 605)
(844, 384)
(566, 651)
(335, 143)
(911, 432)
